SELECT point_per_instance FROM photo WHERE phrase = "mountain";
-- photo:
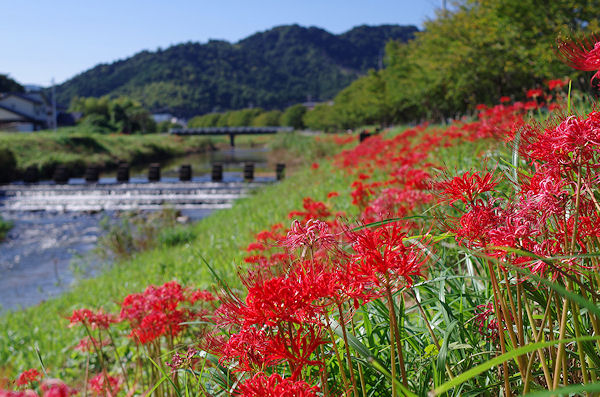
(270, 69)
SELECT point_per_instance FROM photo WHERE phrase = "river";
(57, 227)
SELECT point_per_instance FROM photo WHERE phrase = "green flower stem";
(537, 337)
(337, 353)
(347, 346)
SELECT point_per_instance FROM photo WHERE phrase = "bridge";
(231, 131)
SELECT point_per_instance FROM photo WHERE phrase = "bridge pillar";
(280, 171)
(154, 172)
(123, 172)
(31, 175)
(92, 173)
(185, 172)
(232, 140)
(217, 172)
(248, 172)
(61, 174)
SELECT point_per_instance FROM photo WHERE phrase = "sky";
(45, 40)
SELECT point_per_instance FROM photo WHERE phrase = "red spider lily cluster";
(582, 53)
(48, 388)
(94, 320)
(154, 319)
(275, 386)
(285, 317)
(29, 376)
(158, 311)
(554, 212)
(104, 385)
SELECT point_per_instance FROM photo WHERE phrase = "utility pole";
(54, 121)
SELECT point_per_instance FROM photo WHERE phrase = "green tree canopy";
(292, 116)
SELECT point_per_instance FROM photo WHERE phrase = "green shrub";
(8, 165)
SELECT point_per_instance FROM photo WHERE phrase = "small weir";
(123, 197)
(57, 222)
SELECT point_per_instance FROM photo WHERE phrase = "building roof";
(20, 114)
(22, 96)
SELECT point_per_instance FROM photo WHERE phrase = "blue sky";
(61, 38)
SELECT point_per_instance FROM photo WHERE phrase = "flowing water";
(56, 225)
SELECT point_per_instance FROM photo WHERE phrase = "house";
(24, 112)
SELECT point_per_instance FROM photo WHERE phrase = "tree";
(321, 118)
(121, 114)
(292, 116)
(9, 85)
(267, 119)
(242, 118)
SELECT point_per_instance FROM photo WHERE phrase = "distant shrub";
(176, 236)
(8, 165)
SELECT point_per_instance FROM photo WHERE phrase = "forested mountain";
(271, 69)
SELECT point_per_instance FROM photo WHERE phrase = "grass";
(220, 239)
(77, 148)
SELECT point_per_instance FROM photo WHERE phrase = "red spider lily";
(88, 344)
(361, 194)
(200, 295)
(253, 350)
(474, 226)
(315, 166)
(531, 105)
(183, 361)
(343, 140)
(544, 194)
(314, 233)
(534, 93)
(312, 210)
(297, 347)
(504, 99)
(581, 53)
(29, 376)
(288, 298)
(486, 321)
(332, 194)
(96, 320)
(255, 246)
(24, 393)
(556, 84)
(155, 312)
(573, 142)
(56, 388)
(275, 386)
(468, 187)
(104, 385)
(381, 256)
(395, 203)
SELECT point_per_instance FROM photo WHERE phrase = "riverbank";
(77, 148)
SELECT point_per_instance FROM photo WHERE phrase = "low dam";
(57, 224)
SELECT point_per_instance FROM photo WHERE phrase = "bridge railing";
(229, 130)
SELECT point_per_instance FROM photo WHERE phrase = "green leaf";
(165, 376)
(505, 357)
(369, 358)
(577, 390)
